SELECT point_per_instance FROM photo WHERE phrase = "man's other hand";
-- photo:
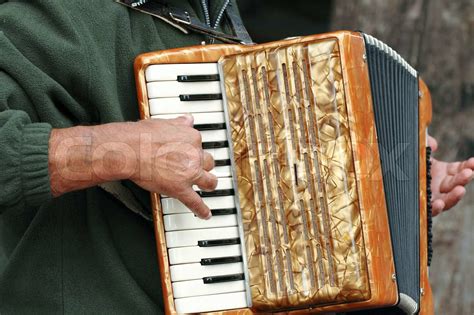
(448, 180)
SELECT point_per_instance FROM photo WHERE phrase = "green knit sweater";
(66, 63)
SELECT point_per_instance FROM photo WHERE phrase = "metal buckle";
(186, 20)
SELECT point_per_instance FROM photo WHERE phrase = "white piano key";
(191, 288)
(173, 105)
(188, 221)
(191, 237)
(195, 271)
(222, 171)
(194, 254)
(199, 118)
(210, 303)
(222, 183)
(171, 71)
(172, 206)
(219, 154)
(174, 88)
(214, 135)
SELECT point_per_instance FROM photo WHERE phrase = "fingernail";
(189, 118)
(208, 216)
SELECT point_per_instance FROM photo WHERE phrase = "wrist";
(85, 156)
(114, 151)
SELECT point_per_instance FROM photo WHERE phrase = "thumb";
(186, 120)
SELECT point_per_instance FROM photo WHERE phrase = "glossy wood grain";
(427, 306)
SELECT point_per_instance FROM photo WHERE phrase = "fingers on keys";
(194, 202)
(206, 181)
(208, 161)
(186, 120)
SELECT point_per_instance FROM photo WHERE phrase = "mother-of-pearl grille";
(296, 179)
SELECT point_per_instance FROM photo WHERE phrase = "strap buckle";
(186, 19)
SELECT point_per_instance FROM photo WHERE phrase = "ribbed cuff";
(34, 163)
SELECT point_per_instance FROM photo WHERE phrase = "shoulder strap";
(237, 24)
(186, 22)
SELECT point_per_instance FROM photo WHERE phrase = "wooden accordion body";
(307, 172)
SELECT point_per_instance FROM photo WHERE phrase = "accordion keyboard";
(205, 257)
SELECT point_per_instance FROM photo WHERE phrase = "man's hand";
(162, 156)
(177, 163)
(448, 180)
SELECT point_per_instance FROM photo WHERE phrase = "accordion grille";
(296, 178)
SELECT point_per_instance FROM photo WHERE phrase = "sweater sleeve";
(24, 154)
(43, 84)
(24, 174)
(24, 179)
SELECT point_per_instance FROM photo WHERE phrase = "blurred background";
(437, 38)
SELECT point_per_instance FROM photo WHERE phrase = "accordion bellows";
(317, 233)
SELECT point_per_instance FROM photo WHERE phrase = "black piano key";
(221, 162)
(198, 78)
(221, 242)
(199, 97)
(226, 211)
(226, 278)
(220, 260)
(216, 193)
(215, 145)
(204, 127)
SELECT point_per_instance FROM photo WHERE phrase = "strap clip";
(181, 18)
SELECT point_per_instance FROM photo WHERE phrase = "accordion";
(322, 203)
